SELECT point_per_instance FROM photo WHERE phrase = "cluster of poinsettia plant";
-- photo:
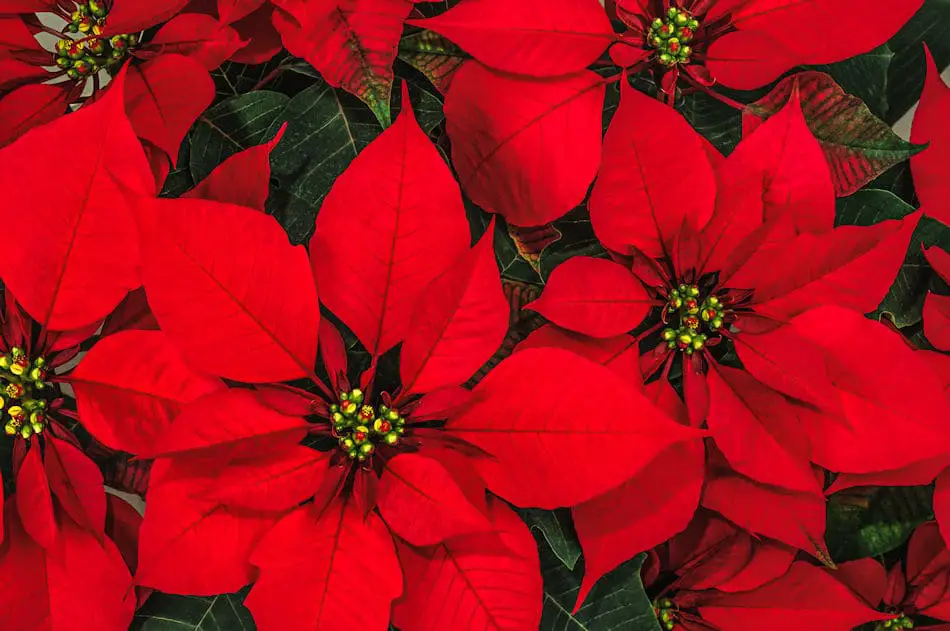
(404, 415)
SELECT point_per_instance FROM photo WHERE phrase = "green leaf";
(877, 524)
(717, 122)
(326, 129)
(433, 55)
(233, 125)
(907, 70)
(904, 302)
(618, 601)
(857, 145)
(558, 530)
(865, 77)
(164, 612)
(233, 79)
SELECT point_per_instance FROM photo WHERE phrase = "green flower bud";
(356, 396)
(71, 28)
(72, 73)
(26, 431)
(668, 334)
(681, 19)
(666, 603)
(348, 444)
(673, 12)
(64, 62)
(10, 429)
(367, 448)
(392, 415)
(392, 438)
(97, 9)
(693, 25)
(715, 324)
(657, 23)
(685, 52)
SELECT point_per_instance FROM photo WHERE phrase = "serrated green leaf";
(857, 145)
(881, 524)
(617, 602)
(904, 302)
(164, 612)
(558, 530)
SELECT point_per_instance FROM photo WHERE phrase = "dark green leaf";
(232, 126)
(433, 55)
(164, 612)
(877, 524)
(904, 302)
(907, 70)
(558, 530)
(719, 123)
(618, 601)
(857, 145)
(232, 79)
(326, 129)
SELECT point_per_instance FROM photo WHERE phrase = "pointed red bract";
(126, 402)
(594, 296)
(314, 571)
(230, 423)
(34, 500)
(543, 445)
(82, 254)
(199, 36)
(489, 581)
(807, 596)
(420, 502)
(458, 324)
(929, 166)
(192, 546)
(373, 279)
(131, 16)
(241, 315)
(525, 149)
(275, 481)
(636, 199)
(242, 179)
(352, 43)
(164, 97)
(639, 514)
(535, 37)
(76, 482)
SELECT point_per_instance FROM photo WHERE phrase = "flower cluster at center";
(20, 379)
(692, 319)
(900, 622)
(90, 52)
(360, 428)
(665, 612)
(671, 35)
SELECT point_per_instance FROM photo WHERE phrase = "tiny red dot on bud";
(360, 435)
(674, 47)
(384, 427)
(687, 33)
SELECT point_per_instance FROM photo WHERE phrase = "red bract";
(741, 257)
(352, 43)
(929, 167)
(94, 43)
(725, 580)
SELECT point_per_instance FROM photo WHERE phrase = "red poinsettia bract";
(757, 299)
(929, 167)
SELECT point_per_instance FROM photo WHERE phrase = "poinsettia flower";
(745, 44)
(95, 40)
(716, 577)
(913, 589)
(717, 259)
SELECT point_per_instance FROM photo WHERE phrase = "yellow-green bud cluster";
(694, 320)
(89, 53)
(665, 612)
(671, 35)
(360, 428)
(900, 622)
(20, 379)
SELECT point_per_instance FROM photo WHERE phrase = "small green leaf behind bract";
(434, 56)
(164, 612)
(858, 145)
(905, 300)
(882, 521)
(617, 603)
(558, 531)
